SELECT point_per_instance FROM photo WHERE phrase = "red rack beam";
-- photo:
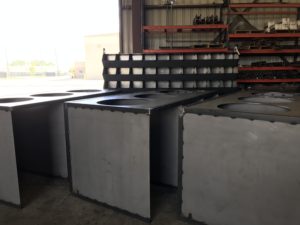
(188, 50)
(269, 81)
(270, 51)
(265, 5)
(179, 6)
(187, 27)
(262, 13)
(264, 35)
(269, 68)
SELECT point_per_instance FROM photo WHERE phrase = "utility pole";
(7, 64)
(56, 62)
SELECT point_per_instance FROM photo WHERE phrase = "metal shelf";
(188, 50)
(269, 81)
(264, 35)
(269, 68)
(179, 6)
(269, 51)
(265, 5)
(262, 13)
(238, 9)
(184, 28)
(251, 72)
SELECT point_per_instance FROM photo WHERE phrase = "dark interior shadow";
(163, 200)
(34, 186)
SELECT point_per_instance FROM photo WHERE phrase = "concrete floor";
(48, 201)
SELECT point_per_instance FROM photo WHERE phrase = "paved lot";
(20, 86)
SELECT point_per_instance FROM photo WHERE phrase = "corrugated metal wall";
(176, 17)
(185, 17)
(126, 23)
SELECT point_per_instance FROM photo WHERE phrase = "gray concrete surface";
(240, 172)
(49, 202)
(110, 158)
(9, 185)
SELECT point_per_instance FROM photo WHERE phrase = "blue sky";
(34, 28)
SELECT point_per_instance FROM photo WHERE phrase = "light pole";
(7, 64)
(56, 62)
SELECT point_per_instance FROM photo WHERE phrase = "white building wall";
(94, 46)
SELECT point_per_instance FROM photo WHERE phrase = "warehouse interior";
(196, 122)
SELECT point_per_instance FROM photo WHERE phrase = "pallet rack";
(231, 38)
(269, 51)
(187, 50)
(269, 68)
(242, 9)
(172, 29)
(264, 5)
(188, 28)
(263, 35)
(261, 81)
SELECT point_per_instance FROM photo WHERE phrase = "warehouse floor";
(48, 201)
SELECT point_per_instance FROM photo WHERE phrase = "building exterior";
(94, 45)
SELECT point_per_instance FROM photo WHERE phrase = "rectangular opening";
(112, 71)
(150, 84)
(137, 57)
(150, 57)
(137, 71)
(125, 71)
(111, 57)
(177, 71)
(124, 57)
(163, 71)
(150, 71)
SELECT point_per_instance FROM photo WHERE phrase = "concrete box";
(123, 144)
(32, 139)
(242, 167)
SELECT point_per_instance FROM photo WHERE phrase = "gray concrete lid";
(55, 94)
(152, 100)
(16, 102)
(267, 99)
(282, 108)
(123, 102)
(253, 108)
(277, 94)
(13, 100)
(84, 90)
